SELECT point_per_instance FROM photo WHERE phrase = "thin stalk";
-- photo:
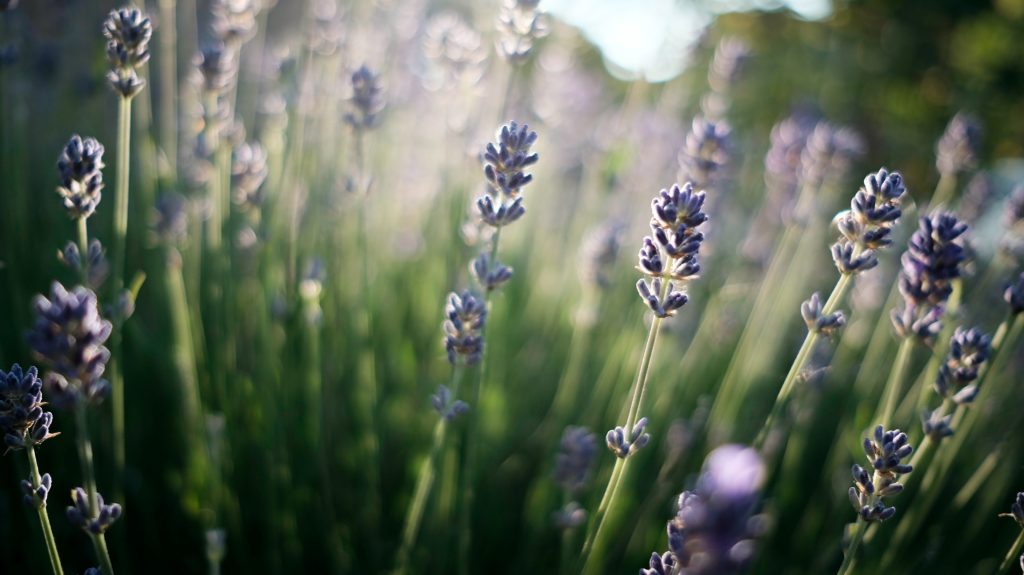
(99, 542)
(1013, 555)
(44, 517)
(895, 382)
(850, 558)
(564, 558)
(120, 244)
(802, 357)
(168, 63)
(425, 483)
(594, 528)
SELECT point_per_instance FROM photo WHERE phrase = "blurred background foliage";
(895, 70)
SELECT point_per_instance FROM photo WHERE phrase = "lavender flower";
(936, 426)
(505, 164)
(35, 497)
(714, 528)
(217, 66)
(128, 32)
(705, 151)
(782, 162)
(1013, 215)
(455, 49)
(672, 252)
(867, 225)
(446, 405)
(489, 275)
(600, 251)
(730, 59)
(572, 464)
(570, 516)
(1016, 510)
(829, 153)
(932, 261)
(464, 327)
(1014, 295)
(248, 172)
(234, 21)
(957, 149)
(624, 444)
(92, 521)
(886, 453)
(817, 322)
(367, 100)
(520, 25)
(95, 261)
(80, 165)
(68, 335)
(22, 419)
(170, 222)
(969, 349)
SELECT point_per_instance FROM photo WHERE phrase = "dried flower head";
(22, 419)
(969, 349)
(957, 149)
(80, 164)
(886, 453)
(128, 32)
(68, 336)
(464, 327)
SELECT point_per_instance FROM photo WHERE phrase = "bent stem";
(44, 517)
(425, 483)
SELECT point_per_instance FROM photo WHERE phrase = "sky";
(651, 38)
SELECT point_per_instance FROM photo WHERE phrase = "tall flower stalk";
(24, 425)
(128, 32)
(669, 258)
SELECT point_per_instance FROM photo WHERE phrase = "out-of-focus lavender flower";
(957, 149)
(731, 57)
(248, 172)
(520, 25)
(932, 261)
(623, 443)
(92, 521)
(969, 349)
(976, 197)
(128, 32)
(672, 253)
(572, 464)
(6, 5)
(80, 164)
(1013, 215)
(1014, 295)
(464, 327)
(818, 322)
(705, 151)
(446, 405)
(22, 419)
(367, 100)
(95, 261)
(68, 336)
(600, 251)
(782, 162)
(829, 154)
(170, 222)
(570, 516)
(217, 66)
(234, 21)
(715, 526)
(936, 426)
(490, 275)
(454, 50)
(867, 225)
(886, 453)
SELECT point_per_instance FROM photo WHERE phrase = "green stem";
(594, 528)
(1013, 555)
(120, 243)
(44, 517)
(89, 478)
(425, 483)
(895, 381)
(850, 558)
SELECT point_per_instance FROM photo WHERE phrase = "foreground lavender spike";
(714, 529)
(969, 349)
(867, 225)
(886, 452)
(22, 419)
(128, 32)
(80, 165)
(464, 327)
(957, 149)
(68, 336)
(932, 261)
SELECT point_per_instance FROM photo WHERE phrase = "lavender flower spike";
(80, 165)
(886, 452)
(464, 327)
(92, 521)
(128, 32)
(23, 422)
(572, 464)
(969, 349)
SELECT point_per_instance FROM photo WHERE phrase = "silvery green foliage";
(128, 32)
(969, 349)
(464, 327)
(886, 452)
(867, 226)
(715, 527)
(68, 335)
(933, 259)
(80, 164)
(817, 322)
(23, 422)
(623, 443)
(446, 405)
(704, 152)
(92, 521)
(520, 25)
(366, 100)
(671, 254)
(957, 149)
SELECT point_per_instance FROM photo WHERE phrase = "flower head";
(92, 521)
(80, 164)
(969, 349)
(367, 100)
(572, 464)
(22, 419)
(128, 32)
(464, 327)
(957, 149)
(886, 452)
